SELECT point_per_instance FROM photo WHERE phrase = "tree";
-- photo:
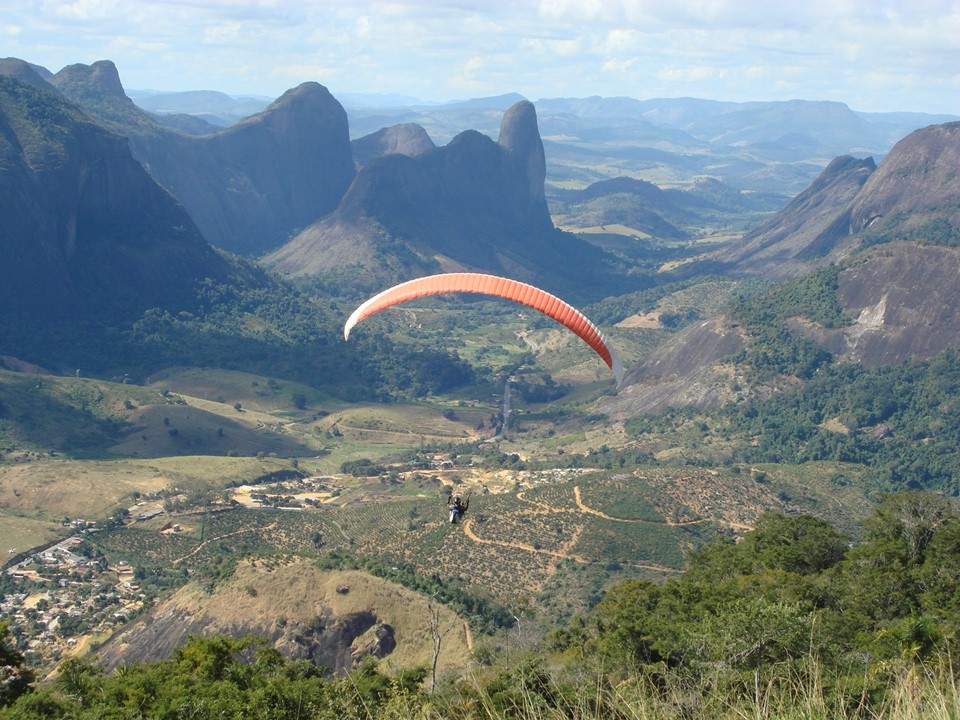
(437, 634)
(15, 678)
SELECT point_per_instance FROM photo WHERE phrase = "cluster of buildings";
(63, 599)
(293, 494)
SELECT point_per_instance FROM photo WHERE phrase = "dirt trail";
(401, 433)
(584, 508)
(505, 411)
(542, 507)
(578, 498)
(468, 634)
(342, 531)
(562, 555)
(564, 549)
(468, 531)
(199, 547)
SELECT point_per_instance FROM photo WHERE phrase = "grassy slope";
(263, 591)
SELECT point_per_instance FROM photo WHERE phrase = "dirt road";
(563, 555)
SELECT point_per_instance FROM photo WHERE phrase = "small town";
(60, 600)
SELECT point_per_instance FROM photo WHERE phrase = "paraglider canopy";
(482, 284)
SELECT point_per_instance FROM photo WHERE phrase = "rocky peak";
(520, 136)
(914, 186)
(305, 96)
(297, 114)
(24, 72)
(86, 230)
(407, 139)
(847, 164)
(101, 78)
(247, 187)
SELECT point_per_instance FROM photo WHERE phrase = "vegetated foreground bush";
(234, 680)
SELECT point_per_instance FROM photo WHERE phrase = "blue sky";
(873, 55)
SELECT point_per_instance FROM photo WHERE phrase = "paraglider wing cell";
(482, 284)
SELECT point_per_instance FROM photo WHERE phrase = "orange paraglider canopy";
(482, 284)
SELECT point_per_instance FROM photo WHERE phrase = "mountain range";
(473, 204)
(759, 146)
(392, 204)
(411, 208)
(912, 194)
(248, 187)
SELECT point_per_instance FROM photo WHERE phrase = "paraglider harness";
(457, 507)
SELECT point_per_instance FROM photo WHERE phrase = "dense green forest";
(902, 420)
(267, 327)
(763, 311)
(792, 617)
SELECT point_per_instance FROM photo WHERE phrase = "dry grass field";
(21, 533)
(266, 597)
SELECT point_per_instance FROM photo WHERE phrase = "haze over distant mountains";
(757, 146)
(473, 204)
(113, 209)
(760, 146)
(390, 204)
(912, 194)
(248, 187)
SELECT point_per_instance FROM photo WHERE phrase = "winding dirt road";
(578, 498)
(563, 555)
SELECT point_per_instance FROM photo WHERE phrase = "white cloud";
(304, 72)
(620, 39)
(121, 43)
(618, 66)
(730, 49)
(363, 27)
(86, 9)
(552, 46)
(693, 73)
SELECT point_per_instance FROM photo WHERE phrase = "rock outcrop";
(296, 608)
(85, 229)
(903, 301)
(25, 72)
(472, 204)
(692, 369)
(248, 187)
(407, 139)
(916, 189)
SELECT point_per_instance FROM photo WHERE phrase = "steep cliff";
(473, 203)
(85, 229)
(248, 187)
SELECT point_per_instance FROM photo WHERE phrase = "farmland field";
(21, 533)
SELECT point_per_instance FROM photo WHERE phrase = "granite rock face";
(85, 229)
(472, 204)
(248, 187)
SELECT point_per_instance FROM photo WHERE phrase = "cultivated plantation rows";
(510, 545)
